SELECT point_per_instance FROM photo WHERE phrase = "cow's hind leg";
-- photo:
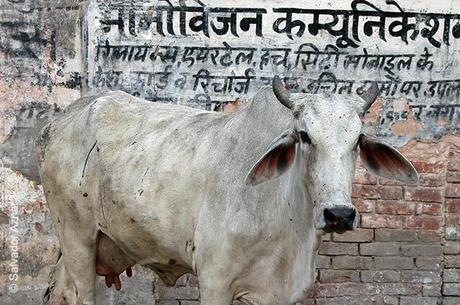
(61, 290)
(78, 246)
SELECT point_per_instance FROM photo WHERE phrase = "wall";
(181, 52)
(407, 249)
(39, 74)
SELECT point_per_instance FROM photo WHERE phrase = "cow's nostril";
(339, 219)
(329, 216)
(351, 217)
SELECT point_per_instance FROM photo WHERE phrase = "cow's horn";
(369, 97)
(281, 93)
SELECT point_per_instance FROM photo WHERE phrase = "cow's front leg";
(214, 295)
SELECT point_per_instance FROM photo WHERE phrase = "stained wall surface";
(209, 54)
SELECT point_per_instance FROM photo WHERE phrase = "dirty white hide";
(180, 190)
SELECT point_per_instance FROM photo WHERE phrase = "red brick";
(452, 248)
(418, 300)
(454, 161)
(377, 192)
(192, 280)
(313, 292)
(429, 167)
(338, 276)
(358, 289)
(422, 222)
(424, 194)
(362, 176)
(453, 191)
(364, 206)
(366, 191)
(450, 300)
(432, 180)
(451, 276)
(453, 176)
(323, 262)
(428, 263)
(379, 249)
(383, 276)
(431, 290)
(391, 192)
(388, 300)
(453, 205)
(402, 289)
(322, 290)
(383, 181)
(452, 261)
(452, 232)
(380, 221)
(424, 277)
(359, 235)
(394, 207)
(328, 290)
(356, 190)
(452, 219)
(429, 208)
(429, 236)
(394, 235)
(330, 248)
(451, 289)
(393, 262)
(352, 262)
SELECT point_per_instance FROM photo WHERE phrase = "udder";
(111, 261)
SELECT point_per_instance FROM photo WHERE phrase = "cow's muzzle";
(339, 219)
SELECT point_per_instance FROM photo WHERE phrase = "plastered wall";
(208, 54)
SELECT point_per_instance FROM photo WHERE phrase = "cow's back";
(119, 161)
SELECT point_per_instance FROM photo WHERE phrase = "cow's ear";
(385, 161)
(276, 160)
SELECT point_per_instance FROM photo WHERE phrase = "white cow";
(183, 190)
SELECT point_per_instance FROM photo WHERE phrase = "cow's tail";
(60, 289)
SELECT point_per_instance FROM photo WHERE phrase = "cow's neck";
(293, 207)
(298, 194)
(301, 226)
(285, 218)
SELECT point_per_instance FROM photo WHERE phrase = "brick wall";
(407, 249)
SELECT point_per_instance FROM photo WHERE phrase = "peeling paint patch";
(408, 126)
(373, 115)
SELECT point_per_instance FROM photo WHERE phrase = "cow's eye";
(304, 137)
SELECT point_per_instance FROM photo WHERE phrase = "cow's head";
(326, 139)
